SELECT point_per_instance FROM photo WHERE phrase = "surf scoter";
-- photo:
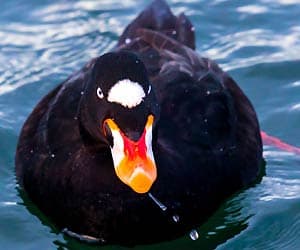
(144, 142)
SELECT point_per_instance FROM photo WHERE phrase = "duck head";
(119, 109)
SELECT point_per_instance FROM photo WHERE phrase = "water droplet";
(127, 40)
(207, 92)
(175, 218)
(52, 155)
(157, 202)
(137, 61)
(82, 92)
(194, 235)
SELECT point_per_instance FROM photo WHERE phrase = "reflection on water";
(43, 42)
(228, 221)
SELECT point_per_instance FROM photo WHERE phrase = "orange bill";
(133, 160)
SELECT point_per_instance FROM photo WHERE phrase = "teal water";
(257, 41)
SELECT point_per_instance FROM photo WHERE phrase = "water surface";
(257, 41)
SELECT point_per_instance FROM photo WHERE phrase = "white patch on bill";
(148, 139)
(127, 93)
(117, 149)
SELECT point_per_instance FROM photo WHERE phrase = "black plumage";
(206, 139)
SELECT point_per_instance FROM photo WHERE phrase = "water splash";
(157, 202)
(194, 234)
(175, 218)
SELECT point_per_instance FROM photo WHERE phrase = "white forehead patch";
(127, 93)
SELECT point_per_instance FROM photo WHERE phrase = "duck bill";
(133, 160)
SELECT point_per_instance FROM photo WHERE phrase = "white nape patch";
(127, 93)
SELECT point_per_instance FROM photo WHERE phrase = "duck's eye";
(149, 90)
(100, 93)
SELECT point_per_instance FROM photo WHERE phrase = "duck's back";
(204, 114)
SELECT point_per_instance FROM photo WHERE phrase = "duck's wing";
(52, 124)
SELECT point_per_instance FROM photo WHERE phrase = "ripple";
(276, 155)
(278, 188)
(105, 4)
(282, 233)
(8, 203)
(283, 2)
(284, 46)
(252, 9)
(295, 107)
(295, 84)
(48, 49)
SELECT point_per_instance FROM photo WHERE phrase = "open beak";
(133, 160)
